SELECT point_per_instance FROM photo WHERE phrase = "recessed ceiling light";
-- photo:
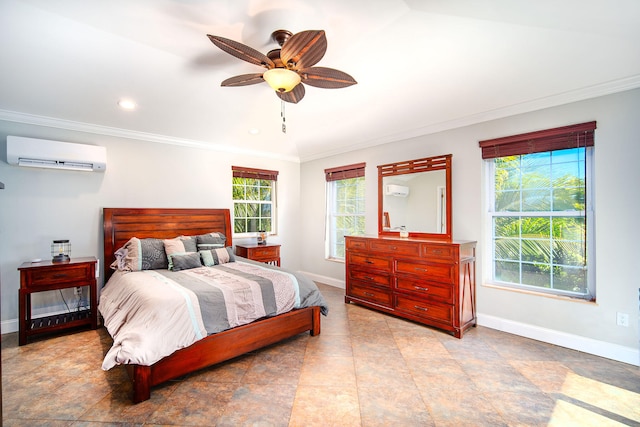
(254, 131)
(127, 104)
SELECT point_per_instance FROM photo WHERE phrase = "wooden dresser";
(426, 281)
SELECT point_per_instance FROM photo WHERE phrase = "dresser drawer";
(432, 310)
(427, 271)
(368, 277)
(429, 290)
(357, 243)
(370, 261)
(438, 251)
(378, 296)
(444, 252)
(41, 277)
(395, 248)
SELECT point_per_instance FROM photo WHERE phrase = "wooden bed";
(120, 224)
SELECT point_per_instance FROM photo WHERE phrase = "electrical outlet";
(622, 319)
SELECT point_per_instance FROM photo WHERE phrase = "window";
(540, 211)
(254, 200)
(345, 206)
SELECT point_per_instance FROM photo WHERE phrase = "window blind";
(242, 172)
(345, 172)
(573, 136)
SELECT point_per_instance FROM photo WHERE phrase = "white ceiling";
(422, 66)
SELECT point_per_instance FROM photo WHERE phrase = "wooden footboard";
(223, 346)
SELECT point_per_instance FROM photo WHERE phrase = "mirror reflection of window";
(421, 207)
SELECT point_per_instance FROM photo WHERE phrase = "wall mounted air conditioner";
(41, 153)
(397, 190)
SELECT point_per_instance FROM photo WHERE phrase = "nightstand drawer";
(56, 275)
(268, 253)
(271, 251)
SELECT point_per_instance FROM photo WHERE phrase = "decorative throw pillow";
(211, 241)
(179, 246)
(190, 243)
(186, 261)
(213, 257)
(141, 254)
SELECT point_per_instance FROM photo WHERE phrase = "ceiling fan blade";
(293, 96)
(304, 49)
(243, 80)
(326, 78)
(242, 51)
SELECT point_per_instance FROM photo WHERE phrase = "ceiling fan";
(287, 67)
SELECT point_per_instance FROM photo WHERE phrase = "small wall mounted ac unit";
(397, 190)
(42, 153)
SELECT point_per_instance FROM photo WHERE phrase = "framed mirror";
(415, 196)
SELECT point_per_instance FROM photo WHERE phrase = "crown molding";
(568, 97)
(31, 119)
(564, 98)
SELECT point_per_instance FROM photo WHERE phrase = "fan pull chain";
(284, 125)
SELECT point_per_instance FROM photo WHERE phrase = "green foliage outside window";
(539, 220)
(347, 213)
(253, 205)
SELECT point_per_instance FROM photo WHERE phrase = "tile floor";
(364, 369)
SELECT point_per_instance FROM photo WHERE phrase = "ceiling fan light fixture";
(281, 79)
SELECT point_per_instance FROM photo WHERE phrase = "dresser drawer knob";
(424, 270)
(417, 307)
(436, 251)
(368, 261)
(59, 276)
(369, 294)
(368, 278)
(420, 288)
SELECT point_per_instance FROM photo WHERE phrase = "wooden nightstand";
(268, 253)
(48, 276)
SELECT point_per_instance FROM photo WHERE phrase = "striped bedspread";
(150, 314)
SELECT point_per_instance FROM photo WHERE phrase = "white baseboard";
(587, 345)
(326, 280)
(9, 326)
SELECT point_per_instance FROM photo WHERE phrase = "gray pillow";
(211, 241)
(185, 261)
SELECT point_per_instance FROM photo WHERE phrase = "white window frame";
(332, 242)
(272, 202)
(590, 230)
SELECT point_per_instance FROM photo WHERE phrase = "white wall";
(617, 199)
(40, 205)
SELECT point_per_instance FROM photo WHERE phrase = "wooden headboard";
(121, 224)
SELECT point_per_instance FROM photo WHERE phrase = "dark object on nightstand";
(60, 251)
(268, 252)
(47, 276)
